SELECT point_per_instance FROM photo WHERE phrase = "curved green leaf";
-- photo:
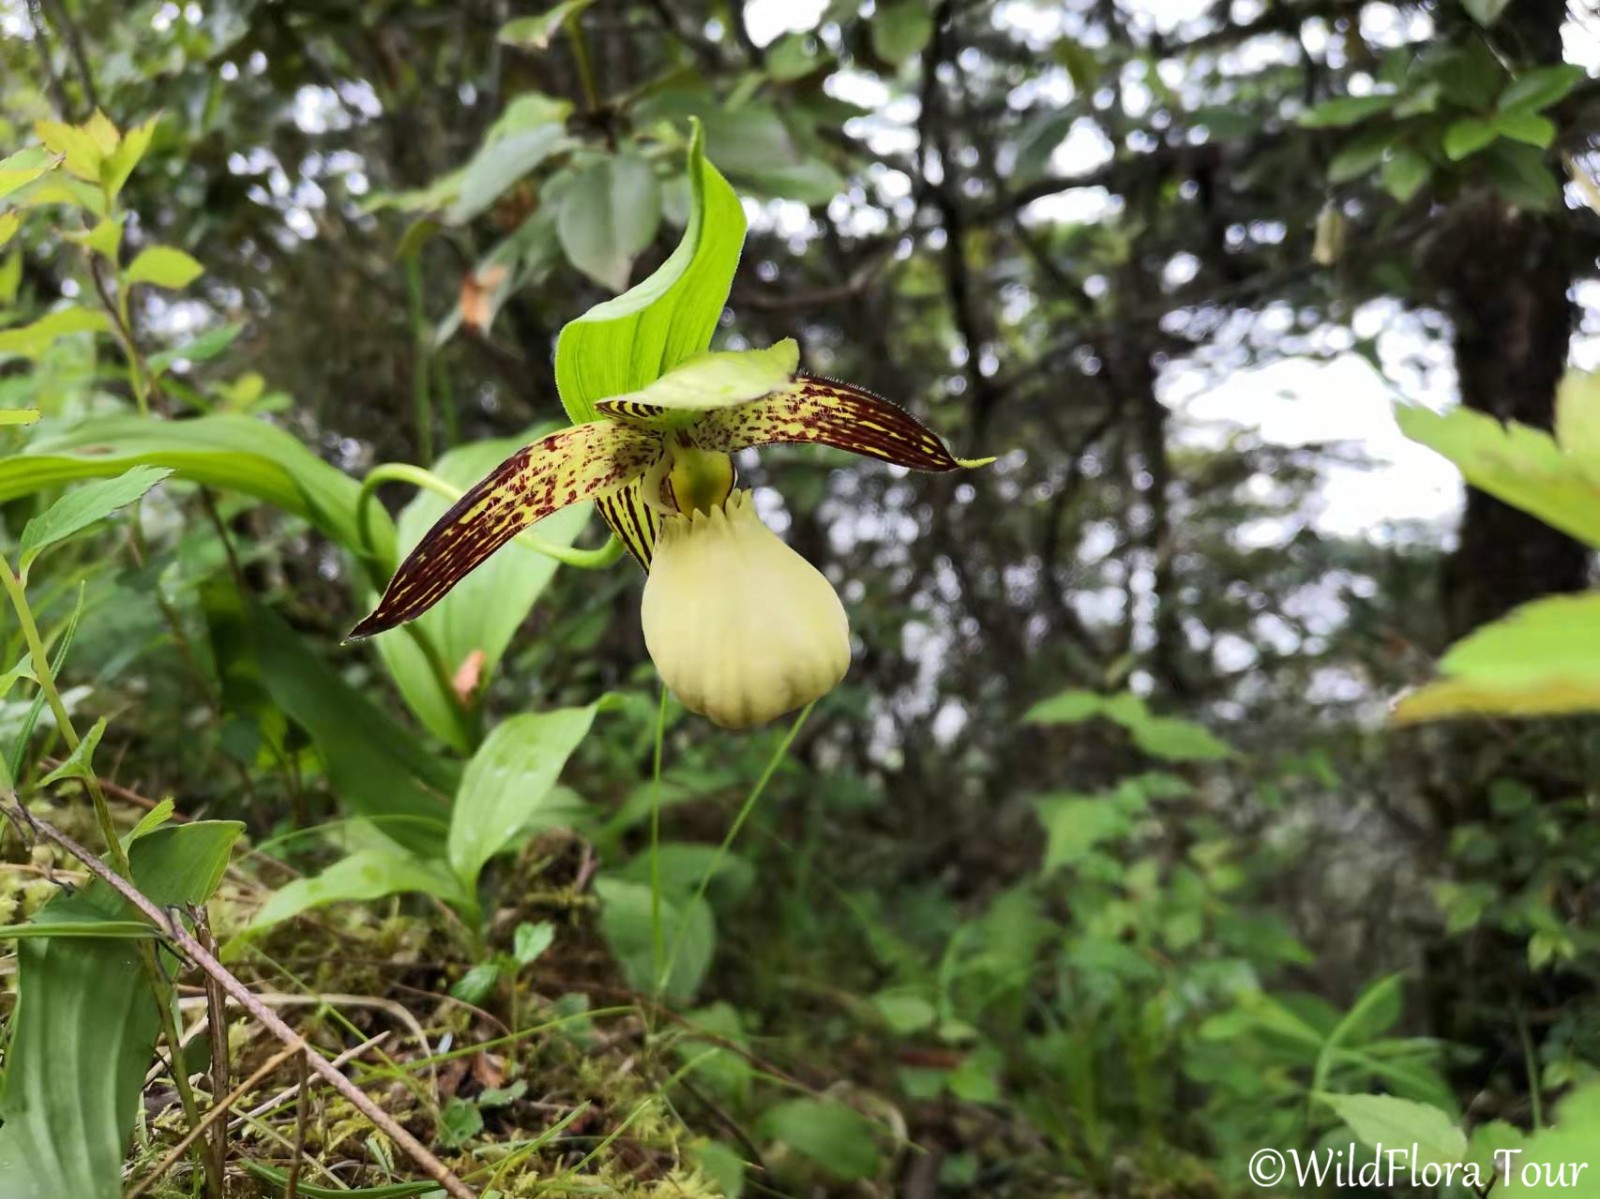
(625, 343)
(237, 453)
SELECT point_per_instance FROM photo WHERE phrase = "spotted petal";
(829, 413)
(583, 462)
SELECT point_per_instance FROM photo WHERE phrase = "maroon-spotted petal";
(828, 413)
(566, 467)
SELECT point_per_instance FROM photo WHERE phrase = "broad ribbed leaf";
(508, 780)
(375, 767)
(84, 1028)
(237, 453)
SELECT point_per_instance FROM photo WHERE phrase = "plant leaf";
(85, 506)
(535, 33)
(85, 1024)
(1519, 464)
(501, 163)
(609, 213)
(1543, 658)
(507, 781)
(368, 874)
(163, 266)
(623, 344)
(376, 768)
(900, 30)
(838, 1138)
(237, 453)
(1534, 90)
(1384, 1119)
(22, 168)
(626, 921)
(31, 340)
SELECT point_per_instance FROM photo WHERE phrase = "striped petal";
(829, 413)
(633, 521)
(579, 463)
(711, 381)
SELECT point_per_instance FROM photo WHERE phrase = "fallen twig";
(207, 962)
(215, 1114)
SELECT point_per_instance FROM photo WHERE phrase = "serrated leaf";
(1523, 466)
(85, 506)
(610, 213)
(1543, 658)
(22, 168)
(507, 781)
(1384, 1119)
(80, 153)
(119, 164)
(163, 266)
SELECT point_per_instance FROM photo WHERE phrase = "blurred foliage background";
(1105, 863)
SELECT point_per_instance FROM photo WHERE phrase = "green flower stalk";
(741, 627)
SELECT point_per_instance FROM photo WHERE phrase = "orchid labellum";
(740, 626)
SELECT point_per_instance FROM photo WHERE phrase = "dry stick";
(217, 1029)
(302, 1110)
(355, 1051)
(197, 953)
(218, 1110)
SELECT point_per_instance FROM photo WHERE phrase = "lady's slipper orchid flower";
(740, 626)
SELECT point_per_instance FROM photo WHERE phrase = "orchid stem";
(733, 831)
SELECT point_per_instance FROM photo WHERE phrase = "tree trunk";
(1507, 287)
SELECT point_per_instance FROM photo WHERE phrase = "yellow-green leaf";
(1521, 465)
(1543, 658)
(29, 341)
(119, 165)
(22, 168)
(79, 150)
(163, 266)
(10, 222)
